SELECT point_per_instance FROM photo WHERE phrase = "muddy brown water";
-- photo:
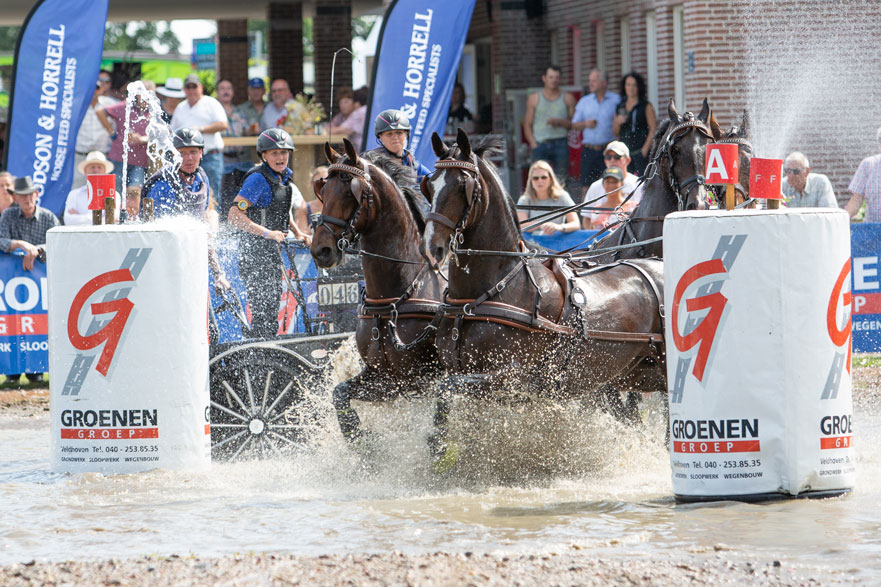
(532, 478)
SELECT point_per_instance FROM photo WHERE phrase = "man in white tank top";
(547, 120)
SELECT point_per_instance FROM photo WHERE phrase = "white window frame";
(624, 27)
(679, 58)
(651, 50)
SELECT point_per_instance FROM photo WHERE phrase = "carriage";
(263, 399)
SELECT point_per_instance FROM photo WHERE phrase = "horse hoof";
(445, 461)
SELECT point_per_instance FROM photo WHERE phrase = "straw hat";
(95, 157)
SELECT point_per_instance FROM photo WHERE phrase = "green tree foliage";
(139, 36)
(8, 36)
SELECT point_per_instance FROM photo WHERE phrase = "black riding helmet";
(188, 137)
(391, 120)
(274, 138)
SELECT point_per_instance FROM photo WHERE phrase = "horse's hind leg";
(609, 400)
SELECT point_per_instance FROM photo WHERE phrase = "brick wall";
(332, 30)
(806, 71)
(232, 56)
(285, 42)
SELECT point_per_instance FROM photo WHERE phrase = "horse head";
(349, 204)
(679, 156)
(457, 194)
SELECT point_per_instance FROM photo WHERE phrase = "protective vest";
(186, 200)
(273, 217)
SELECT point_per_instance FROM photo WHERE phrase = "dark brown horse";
(514, 319)
(362, 202)
(675, 181)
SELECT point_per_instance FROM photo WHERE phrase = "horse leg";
(609, 400)
(357, 387)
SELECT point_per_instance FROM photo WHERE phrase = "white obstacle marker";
(759, 353)
(129, 347)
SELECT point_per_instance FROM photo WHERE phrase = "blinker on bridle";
(362, 190)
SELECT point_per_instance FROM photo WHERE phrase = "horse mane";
(658, 139)
(398, 175)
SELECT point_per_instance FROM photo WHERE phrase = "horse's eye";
(345, 176)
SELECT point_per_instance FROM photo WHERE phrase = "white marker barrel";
(759, 353)
(128, 341)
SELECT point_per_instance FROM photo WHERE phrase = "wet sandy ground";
(691, 567)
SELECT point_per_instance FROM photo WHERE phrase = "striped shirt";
(15, 226)
(867, 183)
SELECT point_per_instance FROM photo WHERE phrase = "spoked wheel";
(264, 404)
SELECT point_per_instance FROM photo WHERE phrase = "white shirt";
(78, 201)
(596, 190)
(91, 135)
(206, 111)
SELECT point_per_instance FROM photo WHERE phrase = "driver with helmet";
(392, 128)
(183, 190)
(263, 212)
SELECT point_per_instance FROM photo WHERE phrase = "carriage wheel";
(264, 404)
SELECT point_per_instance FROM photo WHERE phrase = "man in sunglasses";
(803, 189)
(616, 154)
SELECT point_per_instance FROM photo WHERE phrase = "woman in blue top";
(263, 212)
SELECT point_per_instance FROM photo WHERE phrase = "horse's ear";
(715, 128)
(745, 124)
(671, 110)
(439, 146)
(464, 143)
(425, 189)
(318, 186)
(705, 111)
(351, 153)
(331, 154)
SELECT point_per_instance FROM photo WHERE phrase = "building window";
(651, 49)
(624, 27)
(679, 58)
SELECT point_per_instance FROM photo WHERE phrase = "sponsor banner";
(24, 324)
(758, 352)
(57, 59)
(129, 337)
(417, 58)
(561, 241)
(865, 241)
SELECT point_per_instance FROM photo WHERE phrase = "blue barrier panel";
(865, 243)
(24, 321)
(562, 240)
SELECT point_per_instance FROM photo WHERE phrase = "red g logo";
(111, 332)
(704, 333)
(840, 336)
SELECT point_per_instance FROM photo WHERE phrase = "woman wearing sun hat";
(76, 208)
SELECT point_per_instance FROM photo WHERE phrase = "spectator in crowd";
(4, 114)
(263, 212)
(24, 225)
(252, 110)
(544, 190)
(546, 122)
(185, 190)
(866, 186)
(206, 115)
(459, 116)
(236, 160)
(113, 119)
(635, 121)
(616, 155)
(276, 112)
(803, 189)
(613, 182)
(593, 116)
(349, 122)
(76, 208)
(92, 135)
(105, 78)
(7, 181)
(170, 96)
